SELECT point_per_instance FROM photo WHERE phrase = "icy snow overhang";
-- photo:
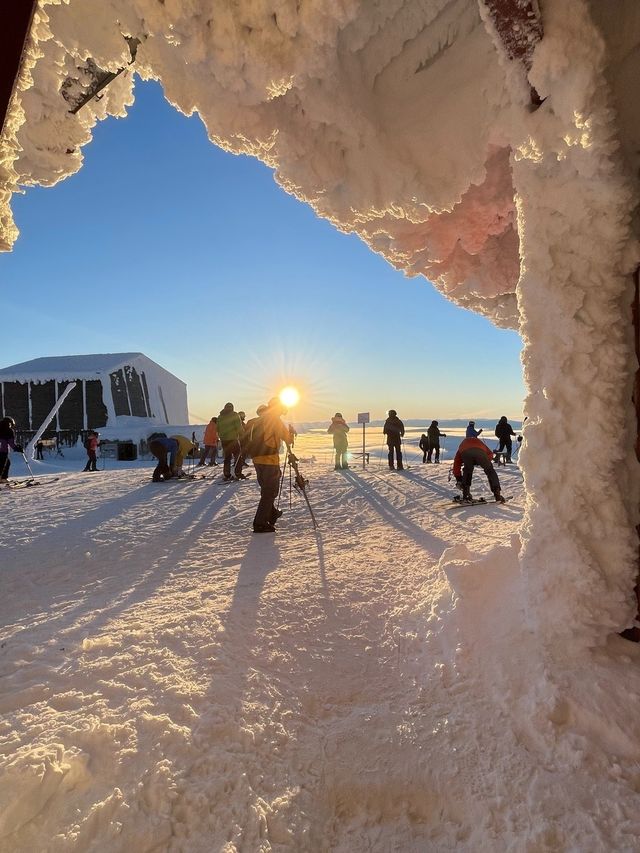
(389, 118)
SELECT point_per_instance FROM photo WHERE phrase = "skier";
(472, 432)
(230, 432)
(91, 444)
(394, 430)
(504, 431)
(184, 447)
(434, 440)
(210, 442)
(339, 428)
(263, 442)
(7, 442)
(165, 450)
(472, 452)
(423, 444)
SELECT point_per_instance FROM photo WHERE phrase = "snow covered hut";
(111, 389)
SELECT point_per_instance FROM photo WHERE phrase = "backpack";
(253, 440)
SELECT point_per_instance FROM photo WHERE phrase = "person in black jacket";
(423, 444)
(434, 440)
(394, 430)
(504, 431)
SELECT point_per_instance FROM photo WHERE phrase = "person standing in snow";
(472, 432)
(472, 452)
(91, 444)
(230, 432)
(7, 443)
(263, 438)
(504, 431)
(394, 430)
(423, 444)
(434, 440)
(210, 442)
(339, 428)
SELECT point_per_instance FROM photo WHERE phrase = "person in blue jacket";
(472, 432)
(165, 450)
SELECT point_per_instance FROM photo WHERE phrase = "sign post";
(363, 418)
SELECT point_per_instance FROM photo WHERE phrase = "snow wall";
(403, 121)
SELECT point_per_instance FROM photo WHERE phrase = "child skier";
(423, 444)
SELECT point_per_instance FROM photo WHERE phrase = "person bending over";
(474, 452)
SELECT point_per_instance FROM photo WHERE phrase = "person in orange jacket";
(474, 452)
(210, 442)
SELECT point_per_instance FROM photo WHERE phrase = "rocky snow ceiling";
(390, 118)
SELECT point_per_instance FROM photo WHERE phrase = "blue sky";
(167, 245)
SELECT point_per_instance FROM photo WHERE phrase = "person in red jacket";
(91, 444)
(474, 452)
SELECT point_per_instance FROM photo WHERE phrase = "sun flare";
(289, 396)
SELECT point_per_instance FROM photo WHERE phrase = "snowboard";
(458, 501)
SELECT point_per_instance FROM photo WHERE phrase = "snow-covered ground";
(171, 681)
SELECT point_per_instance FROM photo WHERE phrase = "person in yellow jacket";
(185, 446)
(264, 436)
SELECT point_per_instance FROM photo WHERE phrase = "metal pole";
(363, 445)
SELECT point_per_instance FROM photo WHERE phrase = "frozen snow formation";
(407, 122)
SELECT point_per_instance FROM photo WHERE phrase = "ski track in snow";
(172, 681)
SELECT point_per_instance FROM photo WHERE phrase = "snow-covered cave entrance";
(406, 123)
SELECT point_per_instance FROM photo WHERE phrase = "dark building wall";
(96, 410)
(146, 393)
(119, 393)
(136, 394)
(43, 399)
(16, 403)
(71, 414)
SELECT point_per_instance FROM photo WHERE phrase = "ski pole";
(26, 462)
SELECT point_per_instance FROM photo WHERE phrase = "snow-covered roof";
(76, 366)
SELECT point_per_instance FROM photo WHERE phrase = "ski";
(12, 485)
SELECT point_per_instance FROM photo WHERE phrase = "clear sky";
(166, 245)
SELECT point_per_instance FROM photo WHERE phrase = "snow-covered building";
(111, 389)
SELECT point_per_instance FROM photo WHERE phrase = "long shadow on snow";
(433, 545)
(159, 555)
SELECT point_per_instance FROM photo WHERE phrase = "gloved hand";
(519, 438)
(19, 448)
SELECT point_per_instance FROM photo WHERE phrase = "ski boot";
(498, 496)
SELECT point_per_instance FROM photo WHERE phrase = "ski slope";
(171, 681)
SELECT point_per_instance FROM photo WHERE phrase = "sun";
(289, 396)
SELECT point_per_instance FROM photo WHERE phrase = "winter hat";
(261, 408)
(338, 415)
(434, 423)
(472, 423)
(392, 413)
(228, 407)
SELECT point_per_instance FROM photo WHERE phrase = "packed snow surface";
(171, 681)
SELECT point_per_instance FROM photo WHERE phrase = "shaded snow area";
(171, 681)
